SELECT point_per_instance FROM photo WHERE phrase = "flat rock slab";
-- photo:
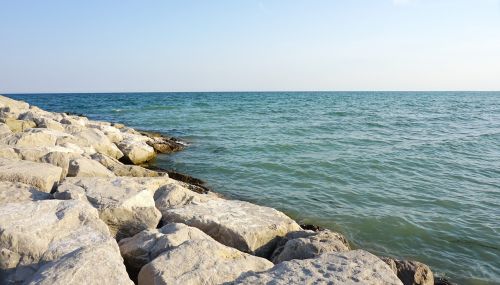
(200, 261)
(15, 192)
(84, 167)
(242, 225)
(125, 204)
(33, 234)
(351, 267)
(308, 244)
(44, 176)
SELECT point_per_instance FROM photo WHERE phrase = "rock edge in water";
(71, 189)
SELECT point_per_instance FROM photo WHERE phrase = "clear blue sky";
(101, 45)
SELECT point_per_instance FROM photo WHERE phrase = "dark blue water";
(412, 175)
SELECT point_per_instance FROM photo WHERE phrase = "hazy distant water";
(413, 175)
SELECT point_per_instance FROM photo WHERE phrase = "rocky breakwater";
(76, 208)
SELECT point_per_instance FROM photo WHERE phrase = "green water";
(411, 175)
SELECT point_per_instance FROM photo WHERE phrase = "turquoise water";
(412, 175)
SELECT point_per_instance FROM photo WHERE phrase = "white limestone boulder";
(91, 265)
(111, 132)
(35, 137)
(242, 225)
(125, 204)
(200, 261)
(84, 167)
(351, 267)
(48, 124)
(120, 169)
(33, 234)
(15, 192)
(41, 175)
(10, 105)
(4, 130)
(136, 150)
(145, 246)
(17, 126)
(308, 244)
(88, 137)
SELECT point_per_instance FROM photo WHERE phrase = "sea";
(413, 175)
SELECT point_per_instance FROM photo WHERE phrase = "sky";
(245, 45)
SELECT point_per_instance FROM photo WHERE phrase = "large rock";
(84, 167)
(351, 267)
(242, 225)
(200, 261)
(125, 204)
(6, 102)
(41, 175)
(410, 272)
(35, 137)
(15, 192)
(148, 244)
(111, 132)
(48, 124)
(120, 169)
(308, 244)
(4, 130)
(136, 150)
(32, 234)
(91, 265)
(89, 137)
(18, 126)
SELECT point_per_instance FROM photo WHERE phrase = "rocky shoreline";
(77, 208)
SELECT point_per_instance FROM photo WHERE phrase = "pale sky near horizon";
(120, 46)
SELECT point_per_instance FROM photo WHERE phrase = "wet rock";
(351, 267)
(242, 225)
(410, 272)
(41, 175)
(125, 204)
(185, 265)
(84, 167)
(308, 244)
(15, 192)
(32, 234)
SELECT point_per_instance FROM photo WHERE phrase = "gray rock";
(41, 175)
(84, 167)
(351, 267)
(125, 204)
(242, 225)
(309, 244)
(200, 261)
(15, 192)
(410, 272)
(35, 233)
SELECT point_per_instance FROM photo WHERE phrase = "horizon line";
(275, 91)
